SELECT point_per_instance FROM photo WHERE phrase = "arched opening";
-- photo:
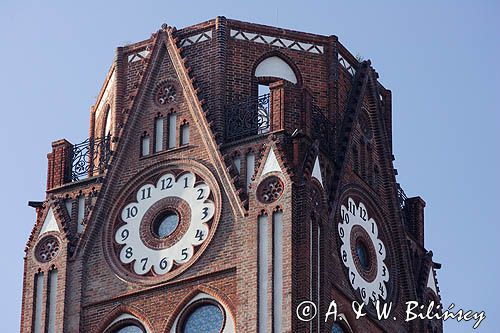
(269, 70)
(275, 67)
(126, 323)
(204, 313)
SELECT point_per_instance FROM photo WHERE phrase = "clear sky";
(439, 58)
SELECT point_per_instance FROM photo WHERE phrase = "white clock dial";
(165, 223)
(362, 252)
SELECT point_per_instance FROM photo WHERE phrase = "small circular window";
(362, 253)
(165, 93)
(166, 224)
(47, 249)
(270, 189)
(206, 317)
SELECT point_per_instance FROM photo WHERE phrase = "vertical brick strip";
(59, 164)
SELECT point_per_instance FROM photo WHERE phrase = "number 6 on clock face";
(152, 240)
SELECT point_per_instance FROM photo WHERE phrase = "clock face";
(362, 252)
(165, 224)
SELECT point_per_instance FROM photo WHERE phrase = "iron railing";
(402, 203)
(323, 130)
(90, 158)
(401, 197)
(248, 117)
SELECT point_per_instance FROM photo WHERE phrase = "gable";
(271, 163)
(50, 223)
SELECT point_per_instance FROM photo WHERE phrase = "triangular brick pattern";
(276, 174)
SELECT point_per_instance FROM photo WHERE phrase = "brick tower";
(232, 171)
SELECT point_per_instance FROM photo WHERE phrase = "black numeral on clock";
(164, 263)
(362, 213)
(352, 207)
(341, 232)
(344, 256)
(344, 216)
(129, 253)
(146, 193)
(125, 233)
(380, 248)
(166, 183)
(144, 262)
(381, 288)
(184, 254)
(131, 212)
(185, 182)
(200, 194)
(205, 213)
(353, 277)
(199, 235)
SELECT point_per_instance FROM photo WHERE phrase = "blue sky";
(440, 59)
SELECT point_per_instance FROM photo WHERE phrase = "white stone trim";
(271, 163)
(277, 41)
(50, 223)
(316, 173)
(347, 65)
(138, 56)
(431, 281)
(195, 39)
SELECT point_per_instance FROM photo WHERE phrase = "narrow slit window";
(107, 128)
(172, 130)
(277, 270)
(145, 145)
(52, 302)
(263, 284)
(69, 207)
(81, 213)
(250, 161)
(37, 321)
(237, 163)
(159, 134)
(184, 134)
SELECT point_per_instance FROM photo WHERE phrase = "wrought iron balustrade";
(90, 157)
(248, 117)
(323, 130)
(401, 196)
(402, 202)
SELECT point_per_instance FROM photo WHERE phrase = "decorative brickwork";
(279, 169)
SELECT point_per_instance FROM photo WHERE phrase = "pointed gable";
(316, 173)
(271, 164)
(50, 223)
(431, 281)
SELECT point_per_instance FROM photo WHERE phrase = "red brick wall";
(222, 68)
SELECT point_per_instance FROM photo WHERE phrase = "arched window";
(145, 143)
(203, 316)
(275, 67)
(127, 324)
(270, 69)
(184, 134)
(130, 329)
